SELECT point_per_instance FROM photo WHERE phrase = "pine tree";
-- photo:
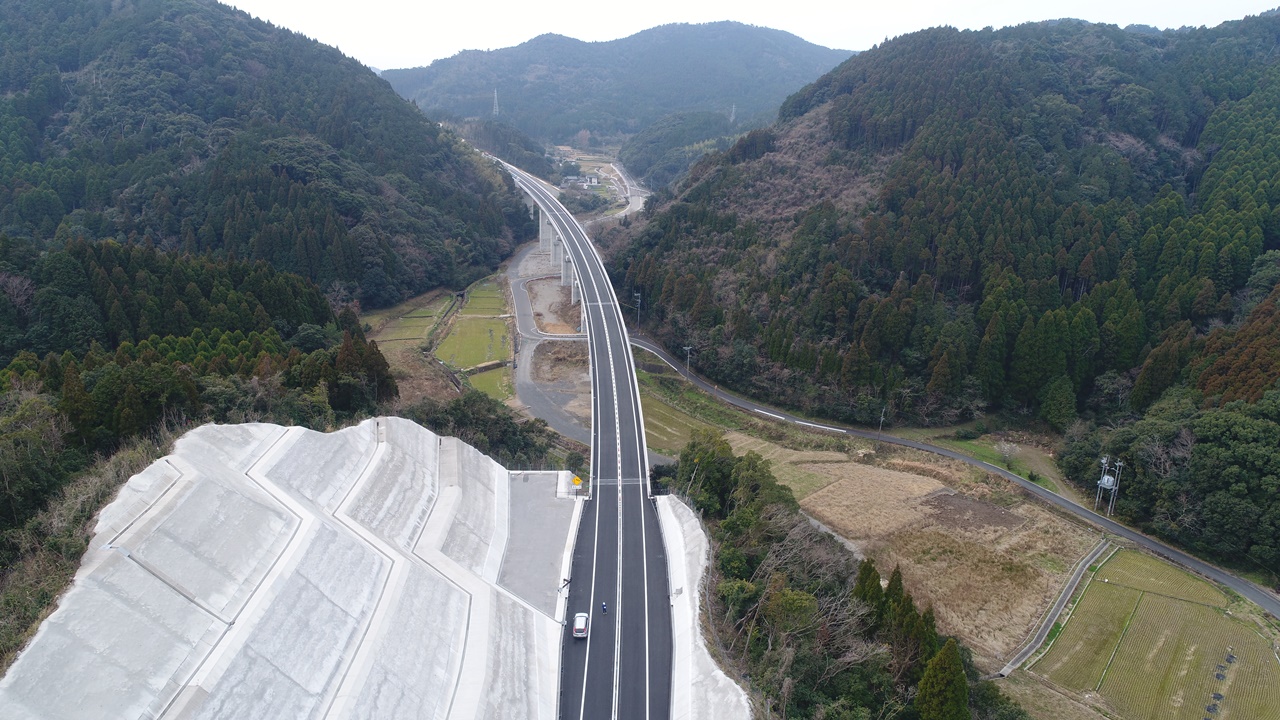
(893, 592)
(944, 691)
(991, 357)
(867, 589)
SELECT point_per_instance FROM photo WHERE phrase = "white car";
(580, 625)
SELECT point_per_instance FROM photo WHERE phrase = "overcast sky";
(408, 33)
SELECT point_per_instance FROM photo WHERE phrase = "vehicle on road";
(580, 625)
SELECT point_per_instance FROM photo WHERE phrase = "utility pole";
(637, 311)
(495, 102)
(880, 430)
(687, 353)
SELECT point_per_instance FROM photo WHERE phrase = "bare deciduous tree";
(1007, 451)
(19, 290)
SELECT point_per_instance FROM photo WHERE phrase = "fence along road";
(622, 671)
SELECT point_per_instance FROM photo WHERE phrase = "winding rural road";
(1266, 600)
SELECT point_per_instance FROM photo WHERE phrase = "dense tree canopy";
(1042, 213)
(191, 125)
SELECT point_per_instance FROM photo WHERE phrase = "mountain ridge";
(545, 84)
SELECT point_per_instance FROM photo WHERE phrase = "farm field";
(1080, 654)
(667, 429)
(401, 332)
(1141, 572)
(485, 298)
(473, 341)
(495, 383)
(1154, 642)
(1167, 665)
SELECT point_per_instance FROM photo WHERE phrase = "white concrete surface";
(700, 689)
(265, 572)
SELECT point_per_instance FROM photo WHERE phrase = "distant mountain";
(1058, 220)
(553, 87)
(192, 126)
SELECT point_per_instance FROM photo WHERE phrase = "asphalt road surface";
(622, 670)
(1265, 599)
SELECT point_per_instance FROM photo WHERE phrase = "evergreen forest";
(1070, 223)
(196, 128)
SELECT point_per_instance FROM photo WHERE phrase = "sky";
(410, 33)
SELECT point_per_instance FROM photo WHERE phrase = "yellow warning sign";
(577, 480)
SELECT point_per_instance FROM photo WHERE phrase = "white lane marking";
(820, 427)
(766, 412)
(586, 665)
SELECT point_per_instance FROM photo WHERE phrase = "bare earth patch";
(553, 310)
(556, 361)
(988, 569)
(563, 365)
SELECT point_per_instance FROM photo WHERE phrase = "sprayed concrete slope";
(269, 572)
(701, 690)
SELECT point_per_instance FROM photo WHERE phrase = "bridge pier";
(557, 250)
(575, 292)
(545, 232)
(566, 271)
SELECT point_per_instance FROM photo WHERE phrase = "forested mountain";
(663, 151)
(553, 87)
(194, 126)
(1058, 219)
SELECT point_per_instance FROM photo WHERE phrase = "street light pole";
(687, 353)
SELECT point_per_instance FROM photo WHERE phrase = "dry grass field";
(988, 562)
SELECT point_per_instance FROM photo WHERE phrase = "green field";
(1150, 639)
(473, 341)
(1082, 650)
(1165, 668)
(409, 322)
(1140, 572)
(495, 383)
(485, 298)
(666, 429)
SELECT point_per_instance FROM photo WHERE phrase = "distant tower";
(495, 102)
(733, 113)
(1108, 483)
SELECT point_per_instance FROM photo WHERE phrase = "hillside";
(1060, 220)
(553, 87)
(190, 125)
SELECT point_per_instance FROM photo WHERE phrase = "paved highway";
(622, 671)
(1266, 600)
